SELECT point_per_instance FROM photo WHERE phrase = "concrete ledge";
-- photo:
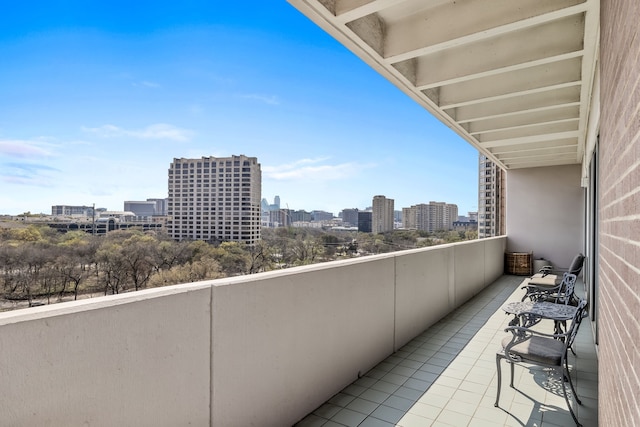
(264, 349)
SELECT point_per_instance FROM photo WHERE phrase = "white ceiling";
(512, 77)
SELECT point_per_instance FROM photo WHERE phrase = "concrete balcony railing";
(261, 350)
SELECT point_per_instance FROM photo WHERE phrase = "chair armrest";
(521, 331)
(545, 270)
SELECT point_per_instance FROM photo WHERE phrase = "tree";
(259, 257)
(111, 270)
(137, 256)
(232, 258)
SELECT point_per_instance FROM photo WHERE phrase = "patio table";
(559, 313)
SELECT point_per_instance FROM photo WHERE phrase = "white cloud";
(23, 148)
(313, 169)
(155, 131)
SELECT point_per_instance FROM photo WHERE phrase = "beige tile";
(424, 410)
(413, 420)
(453, 418)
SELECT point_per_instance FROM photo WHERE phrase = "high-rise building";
(430, 217)
(491, 199)
(382, 217)
(449, 214)
(215, 199)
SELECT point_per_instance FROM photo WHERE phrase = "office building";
(365, 221)
(68, 210)
(141, 209)
(491, 199)
(161, 206)
(215, 199)
(383, 215)
(321, 216)
(300, 216)
(350, 217)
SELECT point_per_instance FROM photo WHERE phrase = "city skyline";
(98, 102)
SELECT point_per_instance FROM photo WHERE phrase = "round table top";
(548, 310)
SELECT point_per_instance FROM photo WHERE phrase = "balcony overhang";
(513, 78)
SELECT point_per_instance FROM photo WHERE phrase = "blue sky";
(97, 98)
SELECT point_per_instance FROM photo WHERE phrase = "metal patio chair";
(528, 346)
(563, 293)
(550, 276)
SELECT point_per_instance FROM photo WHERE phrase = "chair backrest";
(576, 264)
(566, 289)
(575, 324)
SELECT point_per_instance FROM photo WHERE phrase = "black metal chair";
(528, 346)
(550, 276)
(563, 293)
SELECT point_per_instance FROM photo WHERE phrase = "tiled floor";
(447, 377)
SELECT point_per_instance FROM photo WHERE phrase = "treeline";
(40, 265)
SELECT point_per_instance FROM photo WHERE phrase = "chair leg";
(498, 357)
(566, 398)
(512, 367)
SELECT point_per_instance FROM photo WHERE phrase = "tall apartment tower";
(215, 199)
(430, 217)
(491, 199)
(382, 217)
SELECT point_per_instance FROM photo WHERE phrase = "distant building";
(321, 216)
(465, 225)
(383, 215)
(300, 216)
(365, 221)
(161, 206)
(141, 209)
(491, 199)
(215, 199)
(416, 217)
(350, 217)
(67, 210)
(280, 218)
(430, 217)
(442, 215)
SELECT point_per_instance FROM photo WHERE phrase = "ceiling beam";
(532, 46)
(457, 23)
(523, 120)
(530, 139)
(534, 102)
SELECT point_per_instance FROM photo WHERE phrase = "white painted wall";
(260, 350)
(545, 212)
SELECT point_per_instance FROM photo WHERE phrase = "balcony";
(271, 348)
(446, 376)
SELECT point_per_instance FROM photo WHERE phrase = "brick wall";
(619, 315)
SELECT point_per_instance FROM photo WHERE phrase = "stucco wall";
(545, 213)
(260, 350)
(619, 211)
